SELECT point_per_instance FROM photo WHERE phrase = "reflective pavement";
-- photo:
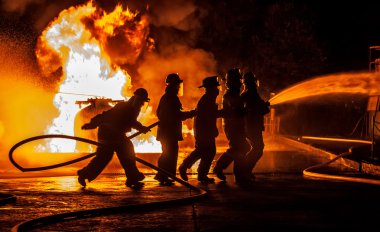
(281, 199)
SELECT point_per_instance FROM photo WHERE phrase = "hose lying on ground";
(309, 172)
(42, 221)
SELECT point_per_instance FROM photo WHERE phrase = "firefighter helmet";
(210, 82)
(250, 77)
(233, 75)
(173, 78)
(142, 93)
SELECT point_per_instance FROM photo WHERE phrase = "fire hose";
(311, 171)
(42, 221)
(14, 147)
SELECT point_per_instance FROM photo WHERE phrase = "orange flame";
(88, 46)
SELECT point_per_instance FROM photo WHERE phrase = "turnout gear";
(169, 132)
(255, 109)
(112, 126)
(205, 131)
(233, 124)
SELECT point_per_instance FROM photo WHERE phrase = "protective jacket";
(255, 109)
(205, 120)
(170, 115)
(117, 121)
(233, 106)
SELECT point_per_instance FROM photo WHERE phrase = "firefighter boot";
(134, 182)
(182, 172)
(81, 179)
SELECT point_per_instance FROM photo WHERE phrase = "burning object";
(87, 46)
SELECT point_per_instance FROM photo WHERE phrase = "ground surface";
(281, 199)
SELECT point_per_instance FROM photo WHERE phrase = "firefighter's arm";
(95, 121)
(138, 126)
(188, 114)
(88, 126)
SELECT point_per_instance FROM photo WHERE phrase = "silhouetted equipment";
(374, 103)
(374, 58)
(97, 101)
(94, 107)
(372, 116)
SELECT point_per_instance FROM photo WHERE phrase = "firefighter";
(112, 126)
(233, 124)
(205, 132)
(255, 108)
(169, 132)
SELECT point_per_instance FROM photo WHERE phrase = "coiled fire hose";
(42, 221)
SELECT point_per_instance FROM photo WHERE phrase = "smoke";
(192, 65)
(175, 28)
(19, 6)
(38, 12)
(176, 14)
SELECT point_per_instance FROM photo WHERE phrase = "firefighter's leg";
(97, 164)
(189, 161)
(222, 163)
(253, 156)
(241, 147)
(208, 151)
(168, 160)
(226, 158)
(126, 154)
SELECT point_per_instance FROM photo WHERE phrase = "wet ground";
(281, 199)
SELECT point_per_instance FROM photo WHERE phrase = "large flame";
(83, 45)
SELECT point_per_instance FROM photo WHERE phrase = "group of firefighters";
(243, 120)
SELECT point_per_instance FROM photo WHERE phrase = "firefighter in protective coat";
(255, 109)
(112, 126)
(169, 132)
(205, 132)
(233, 123)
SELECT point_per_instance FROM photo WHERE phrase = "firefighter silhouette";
(255, 108)
(233, 124)
(112, 126)
(205, 132)
(169, 132)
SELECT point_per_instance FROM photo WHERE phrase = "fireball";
(87, 47)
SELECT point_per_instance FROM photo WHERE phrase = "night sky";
(284, 42)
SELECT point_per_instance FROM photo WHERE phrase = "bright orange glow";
(84, 42)
(344, 83)
(1, 129)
